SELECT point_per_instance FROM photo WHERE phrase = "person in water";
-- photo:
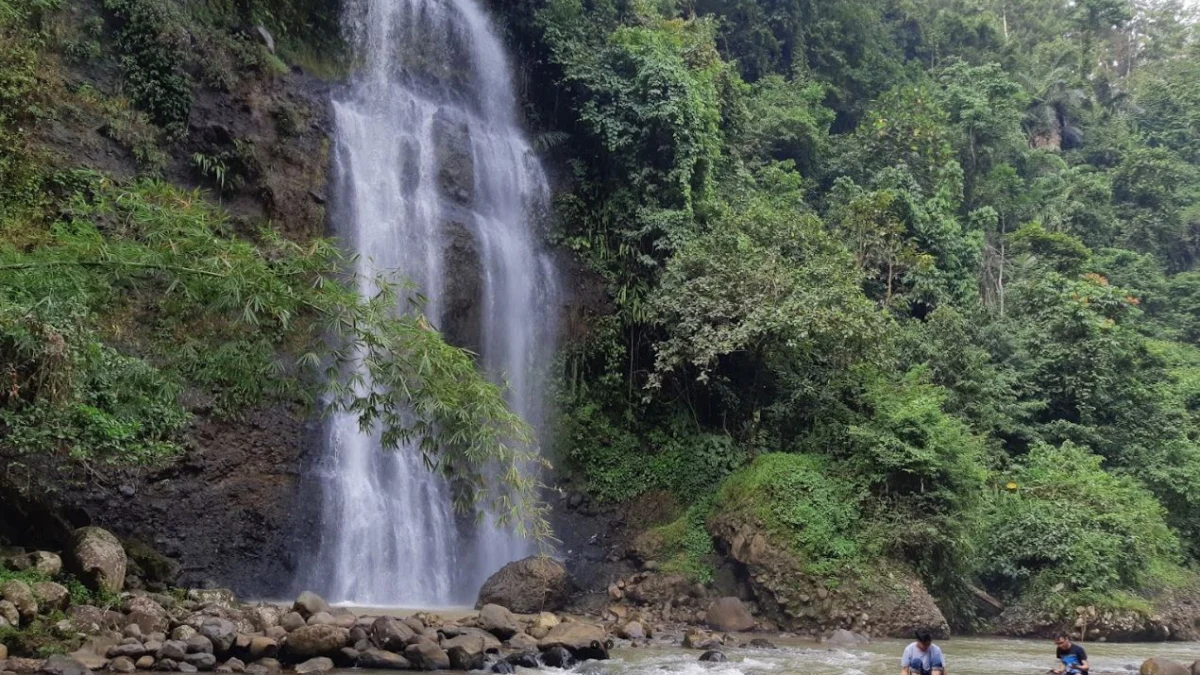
(922, 657)
(1072, 658)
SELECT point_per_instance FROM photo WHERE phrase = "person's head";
(1062, 641)
(924, 638)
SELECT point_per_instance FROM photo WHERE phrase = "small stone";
(122, 664)
(713, 656)
(145, 663)
(183, 633)
(202, 660)
(172, 650)
(235, 665)
(188, 668)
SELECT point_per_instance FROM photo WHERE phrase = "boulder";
(3, 652)
(309, 603)
(455, 161)
(45, 563)
(542, 624)
(97, 558)
(90, 620)
(390, 634)
(59, 664)
(264, 617)
(503, 667)
(557, 657)
(632, 631)
(92, 652)
(498, 621)
(380, 659)
(270, 664)
(1157, 666)
(530, 585)
(167, 665)
(235, 666)
(713, 656)
(202, 660)
(322, 619)
(9, 614)
(122, 664)
(291, 621)
(199, 644)
(21, 596)
(262, 647)
(133, 631)
(147, 614)
(525, 659)
(145, 663)
(521, 642)
(183, 633)
(730, 615)
(173, 650)
(316, 640)
(844, 638)
(23, 665)
(574, 636)
(320, 664)
(188, 668)
(133, 650)
(222, 632)
(220, 597)
(462, 659)
(425, 655)
(470, 645)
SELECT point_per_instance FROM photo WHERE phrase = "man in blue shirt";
(1072, 658)
(922, 657)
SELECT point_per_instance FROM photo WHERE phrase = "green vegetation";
(869, 261)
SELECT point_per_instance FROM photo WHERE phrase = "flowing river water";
(964, 656)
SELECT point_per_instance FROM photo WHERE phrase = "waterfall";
(435, 179)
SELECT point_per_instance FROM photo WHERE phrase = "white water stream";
(434, 178)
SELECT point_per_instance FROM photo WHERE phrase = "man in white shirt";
(923, 657)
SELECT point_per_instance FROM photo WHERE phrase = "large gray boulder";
(527, 586)
(730, 615)
(51, 596)
(98, 559)
(498, 621)
(379, 659)
(311, 641)
(59, 664)
(320, 664)
(425, 655)
(574, 636)
(390, 634)
(45, 563)
(222, 632)
(1157, 666)
(149, 616)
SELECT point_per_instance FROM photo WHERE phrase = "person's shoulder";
(1078, 649)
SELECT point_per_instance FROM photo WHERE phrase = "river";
(964, 656)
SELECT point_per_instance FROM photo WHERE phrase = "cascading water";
(435, 180)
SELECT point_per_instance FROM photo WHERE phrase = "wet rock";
(202, 660)
(145, 663)
(316, 640)
(503, 667)
(63, 665)
(21, 596)
(762, 643)
(729, 614)
(391, 635)
(320, 664)
(844, 638)
(462, 658)
(530, 585)
(526, 659)
(235, 666)
(426, 655)
(309, 603)
(220, 597)
(713, 656)
(291, 621)
(557, 657)
(97, 558)
(167, 665)
(498, 621)
(455, 161)
(1157, 666)
(382, 660)
(188, 668)
(183, 633)
(347, 657)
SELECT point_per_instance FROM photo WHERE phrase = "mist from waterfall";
(434, 178)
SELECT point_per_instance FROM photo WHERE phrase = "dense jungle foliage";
(904, 278)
